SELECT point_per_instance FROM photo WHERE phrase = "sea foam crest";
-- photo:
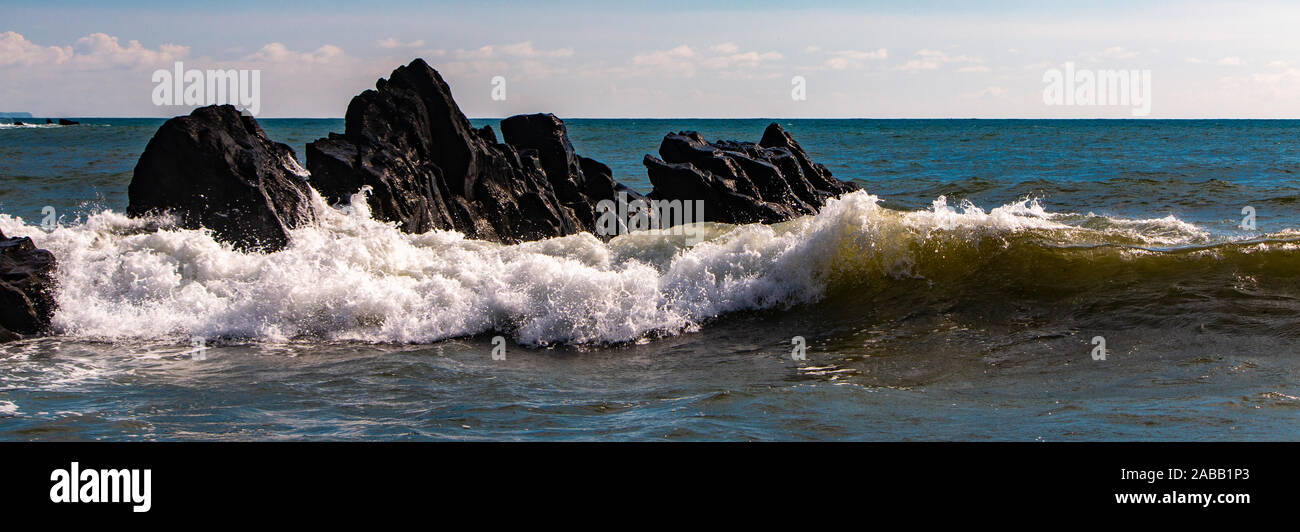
(352, 278)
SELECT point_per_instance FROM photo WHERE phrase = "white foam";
(1168, 230)
(28, 126)
(353, 278)
(1021, 215)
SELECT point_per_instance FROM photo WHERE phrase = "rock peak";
(428, 168)
(742, 182)
(216, 169)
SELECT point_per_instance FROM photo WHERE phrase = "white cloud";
(726, 48)
(933, 59)
(1114, 53)
(476, 68)
(1118, 52)
(92, 52)
(917, 65)
(517, 61)
(280, 54)
(991, 91)
(497, 52)
(17, 50)
(525, 49)
(1230, 61)
(392, 42)
(639, 74)
(674, 62)
(745, 59)
(99, 50)
(682, 51)
(1278, 85)
(684, 61)
(880, 53)
(846, 59)
(102, 74)
(482, 52)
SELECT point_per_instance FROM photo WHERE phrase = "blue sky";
(664, 59)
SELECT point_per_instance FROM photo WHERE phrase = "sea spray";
(351, 278)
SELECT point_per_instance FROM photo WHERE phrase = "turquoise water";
(966, 317)
(1200, 171)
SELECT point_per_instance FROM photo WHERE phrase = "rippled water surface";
(958, 297)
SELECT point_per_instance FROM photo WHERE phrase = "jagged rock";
(580, 183)
(429, 169)
(216, 169)
(26, 287)
(426, 168)
(66, 122)
(776, 138)
(742, 182)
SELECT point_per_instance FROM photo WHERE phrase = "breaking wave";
(351, 278)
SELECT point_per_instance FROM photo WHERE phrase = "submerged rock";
(216, 169)
(26, 288)
(742, 182)
(429, 169)
(66, 122)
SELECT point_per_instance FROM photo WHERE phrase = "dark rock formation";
(48, 121)
(742, 182)
(66, 122)
(19, 123)
(579, 183)
(426, 168)
(26, 288)
(216, 169)
(429, 169)
(776, 138)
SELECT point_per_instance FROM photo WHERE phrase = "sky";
(786, 59)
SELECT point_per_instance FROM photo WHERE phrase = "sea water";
(960, 295)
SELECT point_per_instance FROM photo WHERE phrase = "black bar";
(248, 479)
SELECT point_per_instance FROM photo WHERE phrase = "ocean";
(965, 294)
